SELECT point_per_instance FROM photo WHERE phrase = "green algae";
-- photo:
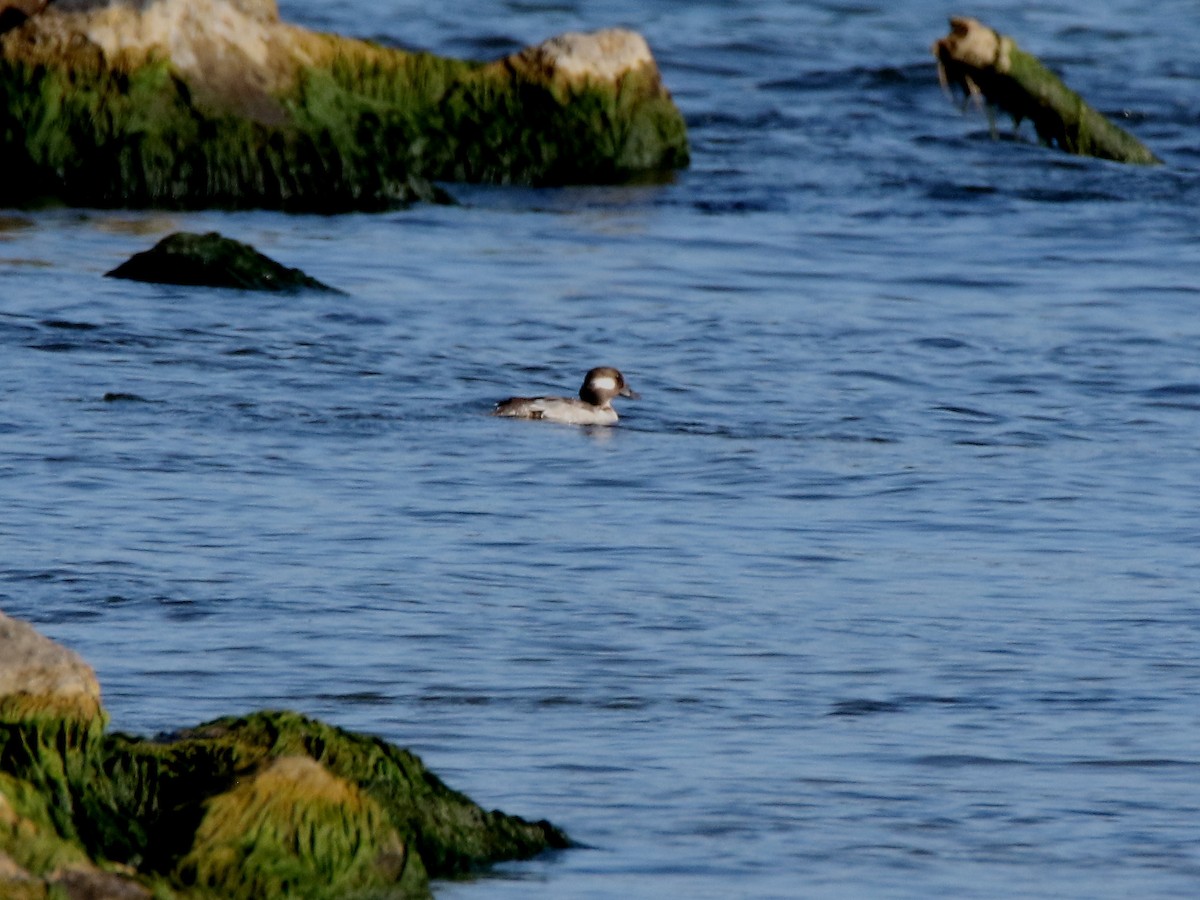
(451, 834)
(448, 120)
(295, 829)
(47, 746)
(272, 804)
(438, 832)
(29, 834)
(48, 743)
(1061, 117)
(101, 137)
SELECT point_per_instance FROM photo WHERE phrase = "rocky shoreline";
(271, 804)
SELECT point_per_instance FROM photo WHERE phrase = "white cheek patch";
(604, 383)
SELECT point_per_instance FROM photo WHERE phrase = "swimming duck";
(594, 406)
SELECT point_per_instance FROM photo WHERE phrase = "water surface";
(885, 587)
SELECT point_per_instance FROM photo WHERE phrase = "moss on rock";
(991, 68)
(294, 828)
(452, 834)
(268, 805)
(209, 104)
(29, 835)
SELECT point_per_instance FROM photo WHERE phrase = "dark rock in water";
(212, 260)
(273, 804)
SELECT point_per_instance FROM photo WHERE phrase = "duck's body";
(594, 406)
(566, 410)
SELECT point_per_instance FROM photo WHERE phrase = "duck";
(594, 406)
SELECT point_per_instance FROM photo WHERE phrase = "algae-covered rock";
(214, 102)
(451, 834)
(50, 717)
(268, 805)
(215, 261)
(29, 841)
(290, 821)
(51, 727)
(991, 68)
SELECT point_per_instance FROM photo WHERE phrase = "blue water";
(887, 586)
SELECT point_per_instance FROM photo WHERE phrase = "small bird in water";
(594, 406)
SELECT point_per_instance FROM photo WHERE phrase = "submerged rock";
(212, 260)
(192, 103)
(268, 805)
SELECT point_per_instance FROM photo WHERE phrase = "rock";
(250, 834)
(212, 260)
(268, 805)
(448, 832)
(192, 103)
(35, 671)
(49, 710)
(604, 56)
(989, 67)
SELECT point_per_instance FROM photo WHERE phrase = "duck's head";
(603, 383)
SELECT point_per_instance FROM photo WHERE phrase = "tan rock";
(234, 53)
(601, 56)
(972, 43)
(35, 665)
